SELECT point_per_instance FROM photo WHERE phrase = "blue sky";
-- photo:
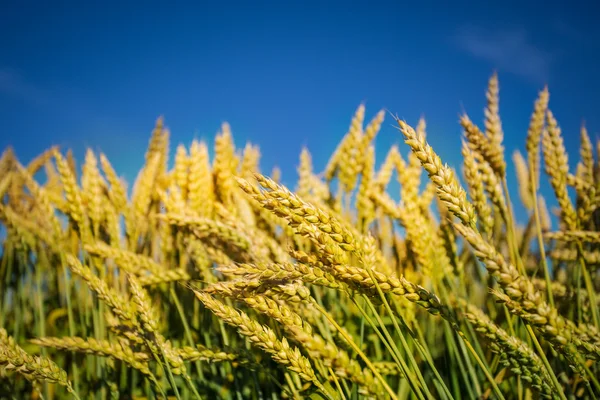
(286, 73)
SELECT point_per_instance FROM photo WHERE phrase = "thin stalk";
(70, 317)
(357, 350)
(395, 356)
(589, 285)
(418, 338)
(538, 228)
(449, 328)
(542, 355)
(410, 377)
(337, 384)
(397, 328)
(485, 370)
(170, 373)
(40, 317)
(186, 327)
(510, 228)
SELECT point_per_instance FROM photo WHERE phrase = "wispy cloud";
(508, 50)
(13, 84)
(66, 104)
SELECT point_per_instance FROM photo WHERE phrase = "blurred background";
(287, 74)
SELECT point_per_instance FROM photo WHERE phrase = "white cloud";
(12, 83)
(508, 50)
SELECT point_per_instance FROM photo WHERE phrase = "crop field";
(207, 278)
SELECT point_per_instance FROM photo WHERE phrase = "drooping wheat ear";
(448, 188)
(13, 357)
(205, 227)
(591, 257)
(572, 236)
(200, 181)
(523, 178)
(122, 307)
(286, 204)
(128, 260)
(359, 278)
(300, 331)
(201, 353)
(285, 271)
(286, 291)
(476, 189)
(386, 368)
(481, 145)
(587, 340)
(164, 276)
(199, 258)
(557, 168)
(516, 354)
(521, 298)
(534, 134)
(218, 256)
(246, 227)
(554, 328)
(149, 322)
(225, 165)
(144, 306)
(256, 294)
(182, 163)
(119, 351)
(386, 203)
(262, 337)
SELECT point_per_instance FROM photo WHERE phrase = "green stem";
(402, 364)
(588, 284)
(397, 328)
(542, 355)
(357, 350)
(538, 226)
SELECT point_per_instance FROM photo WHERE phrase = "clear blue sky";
(286, 73)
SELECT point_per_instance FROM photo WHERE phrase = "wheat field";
(212, 280)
